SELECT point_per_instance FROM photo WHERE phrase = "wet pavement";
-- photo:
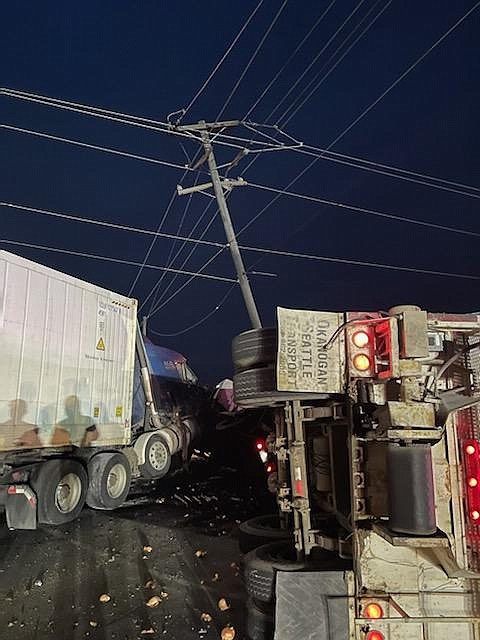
(51, 580)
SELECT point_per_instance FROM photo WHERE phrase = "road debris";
(150, 584)
(200, 553)
(223, 605)
(216, 577)
(228, 633)
(104, 597)
(154, 601)
(147, 632)
(93, 623)
(206, 617)
(147, 549)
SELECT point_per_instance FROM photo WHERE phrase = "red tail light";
(260, 445)
(471, 462)
(375, 635)
(372, 348)
(270, 468)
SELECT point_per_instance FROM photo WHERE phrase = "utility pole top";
(208, 126)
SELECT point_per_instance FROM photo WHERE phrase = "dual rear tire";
(64, 485)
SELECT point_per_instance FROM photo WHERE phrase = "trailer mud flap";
(311, 605)
(21, 507)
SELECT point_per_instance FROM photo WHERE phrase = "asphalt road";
(51, 579)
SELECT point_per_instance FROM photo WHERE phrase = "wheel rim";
(158, 455)
(116, 480)
(68, 493)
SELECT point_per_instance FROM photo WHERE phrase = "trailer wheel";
(109, 477)
(262, 564)
(261, 530)
(255, 383)
(158, 458)
(254, 348)
(260, 620)
(61, 487)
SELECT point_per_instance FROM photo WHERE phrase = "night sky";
(149, 58)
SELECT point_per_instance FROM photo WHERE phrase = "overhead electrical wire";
(192, 274)
(305, 149)
(111, 225)
(404, 74)
(203, 319)
(187, 258)
(220, 247)
(399, 176)
(252, 58)
(363, 113)
(154, 239)
(316, 57)
(282, 120)
(196, 243)
(356, 209)
(173, 245)
(221, 61)
(289, 59)
(95, 147)
(389, 167)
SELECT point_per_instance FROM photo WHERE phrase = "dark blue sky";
(149, 58)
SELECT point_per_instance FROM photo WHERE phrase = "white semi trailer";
(79, 416)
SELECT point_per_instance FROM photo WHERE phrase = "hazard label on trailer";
(100, 345)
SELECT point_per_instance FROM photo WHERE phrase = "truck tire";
(261, 530)
(61, 487)
(260, 621)
(109, 476)
(255, 383)
(254, 348)
(158, 458)
(262, 564)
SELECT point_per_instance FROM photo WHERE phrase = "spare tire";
(254, 348)
(255, 383)
(261, 530)
(262, 564)
(260, 621)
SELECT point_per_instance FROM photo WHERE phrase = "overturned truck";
(376, 463)
(86, 402)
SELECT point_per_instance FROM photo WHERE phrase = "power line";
(196, 241)
(391, 174)
(359, 263)
(111, 225)
(306, 149)
(326, 75)
(222, 60)
(252, 58)
(356, 209)
(221, 247)
(135, 121)
(364, 112)
(186, 283)
(390, 167)
(192, 250)
(203, 319)
(290, 58)
(154, 239)
(170, 261)
(86, 145)
(325, 46)
(95, 256)
(404, 74)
